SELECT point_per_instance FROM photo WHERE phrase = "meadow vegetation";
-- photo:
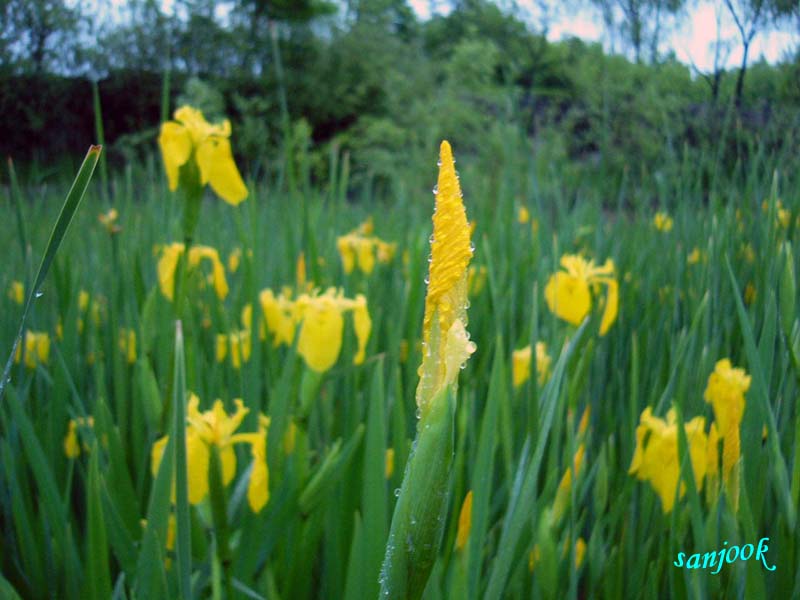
(226, 373)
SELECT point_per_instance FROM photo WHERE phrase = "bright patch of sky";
(692, 36)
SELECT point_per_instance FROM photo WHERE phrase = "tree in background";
(752, 17)
(642, 23)
(39, 35)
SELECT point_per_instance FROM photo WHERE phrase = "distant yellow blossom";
(695, 256)
(523, 215)
(782, 215)
(234, 258)
(216, 428)
(37, 349)
(521, 364)
(580, 551)
(655, 458)
(534, 557)
(563, 493)
(464, 522)
(127, 344)
(72, 449)
(389, 466)
(191, 139)
(569, 293)
(362, 249)
(168, 263)
(662, 222)
(749, 293)
(748, 253)
(290, 438)
(109, 221)
(17, 292)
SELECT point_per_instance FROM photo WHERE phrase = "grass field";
(553, 511)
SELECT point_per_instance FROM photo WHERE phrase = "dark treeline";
(299, 78)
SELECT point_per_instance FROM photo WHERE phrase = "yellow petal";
(176, 148)
(458, 349)
(215, 159)
(346, 253)
(363, 326)
(521, 365)
(611, 308)
(222, 347)
(71, 447)
(389, 463)
(366, 255)
(197, 459)
(167, 265)
(464, 522)
(568, 297)
(227, 457)
(321, 334)
(258, 489)
(451, 250)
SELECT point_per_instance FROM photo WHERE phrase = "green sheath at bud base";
(419, 515)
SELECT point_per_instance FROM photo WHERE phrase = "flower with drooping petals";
(569, 293)
(190, 138)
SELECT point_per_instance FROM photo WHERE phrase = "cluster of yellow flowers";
(662, 222)
(213, 430)
(360, 247)
(320, 317)
(656, 456)
(72, 448)
(168, 263)
(240, 346)
(569, 293)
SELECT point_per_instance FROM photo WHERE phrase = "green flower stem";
(419, 515)
(216, 491)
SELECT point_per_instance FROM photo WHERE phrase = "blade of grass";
(759, 413)
(71, 203)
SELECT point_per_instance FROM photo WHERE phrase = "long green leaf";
(68, 209)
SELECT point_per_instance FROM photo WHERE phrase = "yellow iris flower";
(569, 293)
(168, 263)
(191, 138)
(37, 349)
(725, 392)
(216, 428)
(320, 317)
(360, 248)
(521, 364)
(655, 458)
(446, 341)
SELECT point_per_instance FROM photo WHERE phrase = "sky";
(692, 36)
